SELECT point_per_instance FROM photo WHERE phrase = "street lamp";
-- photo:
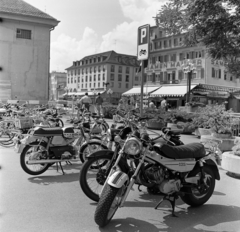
(188, 68)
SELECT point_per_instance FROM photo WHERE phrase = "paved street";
(54, 202)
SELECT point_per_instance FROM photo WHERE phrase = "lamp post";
(188, 68)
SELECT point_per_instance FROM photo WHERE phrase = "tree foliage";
(214, 23)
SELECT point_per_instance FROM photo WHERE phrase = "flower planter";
(222, 136)
(175, 127)
(155, 125)
(203, 131)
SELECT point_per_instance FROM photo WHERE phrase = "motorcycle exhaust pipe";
(47, 161)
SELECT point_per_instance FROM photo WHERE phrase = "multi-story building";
(210, 82)
(57, 84)
(25, 51)
(101, 72)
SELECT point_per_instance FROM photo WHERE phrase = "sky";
(89, 27)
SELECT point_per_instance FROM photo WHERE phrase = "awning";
(137, 90)
(171, 91)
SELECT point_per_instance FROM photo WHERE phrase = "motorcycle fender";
(99, 153)
(210, 162)
(117, 179)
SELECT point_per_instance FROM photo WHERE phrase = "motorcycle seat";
(47, 131)
(191, 150)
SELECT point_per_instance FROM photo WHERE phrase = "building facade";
(210, 82)
(101, 72)
(57, 85)
(25, 51)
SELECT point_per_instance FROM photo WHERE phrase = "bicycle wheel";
(7, 130)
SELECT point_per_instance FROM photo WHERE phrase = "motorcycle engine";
(162, 180)
(63, 152)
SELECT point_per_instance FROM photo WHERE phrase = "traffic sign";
(143, 42)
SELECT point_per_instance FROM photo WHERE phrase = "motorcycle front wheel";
(90, 147)
(26, 155)
(200, 194)
(93, 174)
(108, 204)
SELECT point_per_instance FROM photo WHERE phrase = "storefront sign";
(158, 66)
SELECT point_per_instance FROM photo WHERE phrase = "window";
(103, 68)
(83, 71)
(112, 68)
(99, 77)
(99, 68)
(99, 59)
(75, 80)
(112, 77)
(231, 78)
(166, 58)
(160, 44)
(127, 78)
(120, 69)
(160, 58)
(175, 42)
(94, 85)
(90, 85)
(82, 79)
(119, 77)
(173, 57)
(78, 79)
(103, 77)
(24, 34)
(94, 78)
(225, 75)
(90, 78)
(127, 86)
(127, 70)
(86, 85)
(98, 84)
(68, 80)
(90, 70)
(219, 74)
(165, 44)
(170, 43)
(86, 78)
(71, 80)
(78, 71)
(86, 70)
(94, 60)
(95, 68)
(213, 73)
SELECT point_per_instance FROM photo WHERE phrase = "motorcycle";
(44, 146)
(96, 169)
(185, 171)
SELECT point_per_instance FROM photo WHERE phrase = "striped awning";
(137, 90)
(171, 91)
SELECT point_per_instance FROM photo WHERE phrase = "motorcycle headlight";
(133, 146)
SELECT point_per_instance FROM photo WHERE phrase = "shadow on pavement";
(207, 218)
(129, 225)
(46, 180)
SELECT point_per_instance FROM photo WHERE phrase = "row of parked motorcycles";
(126, 156)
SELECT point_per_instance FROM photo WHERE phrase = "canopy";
(171, 91)
(137, 90)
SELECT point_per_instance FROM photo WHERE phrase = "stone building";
(25, 51)
(57, 84)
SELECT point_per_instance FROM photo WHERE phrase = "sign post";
(143, 54)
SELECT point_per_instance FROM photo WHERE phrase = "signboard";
(143, 42)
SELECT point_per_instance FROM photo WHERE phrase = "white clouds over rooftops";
(122, 38)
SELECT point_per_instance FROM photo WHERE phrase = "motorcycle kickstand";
(60, 167)
(171, 201)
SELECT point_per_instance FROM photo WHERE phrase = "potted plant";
(157, 118)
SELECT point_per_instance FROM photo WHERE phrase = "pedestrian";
(85, 101)
(99, 102)
(164, 104)
(152, 105)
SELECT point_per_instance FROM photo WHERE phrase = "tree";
(214, 23)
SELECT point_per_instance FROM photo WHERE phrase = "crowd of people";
(125, 103)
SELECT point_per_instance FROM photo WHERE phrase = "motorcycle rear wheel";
(108, 204)
(92, 179)
(33, 169)
(194, 196)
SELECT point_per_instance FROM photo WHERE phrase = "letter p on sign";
(143, 42)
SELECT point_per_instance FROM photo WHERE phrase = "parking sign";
(143, 42)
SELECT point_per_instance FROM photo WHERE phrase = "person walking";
(99, 102)
(152, 105)
(164, 104)
(85, 101)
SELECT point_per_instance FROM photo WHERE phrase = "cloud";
(122, 38)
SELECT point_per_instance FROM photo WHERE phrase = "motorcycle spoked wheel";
(196, 197)
(108, 204)
(33, 169)
(89, 148)
(92, 179)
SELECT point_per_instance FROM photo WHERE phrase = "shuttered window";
(24, 34)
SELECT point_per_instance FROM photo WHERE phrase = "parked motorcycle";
(42, 147)
(97, 167)
(185, 171)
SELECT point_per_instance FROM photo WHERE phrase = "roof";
(111, 57)
(171, 91)
(20, 7)
(137, 90)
